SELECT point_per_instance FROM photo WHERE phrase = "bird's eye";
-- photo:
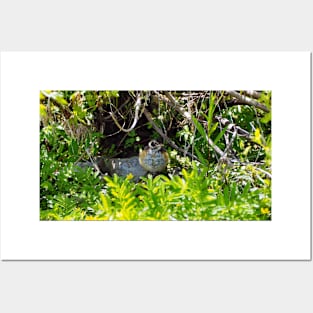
(153, 144)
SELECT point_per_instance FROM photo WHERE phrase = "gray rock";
(120, 166)
(125, 166)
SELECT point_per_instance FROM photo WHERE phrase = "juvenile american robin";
(154, 157)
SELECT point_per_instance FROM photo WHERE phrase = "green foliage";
(196, 195)
(132, 138)
(66, 191)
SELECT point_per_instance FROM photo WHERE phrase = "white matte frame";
(25, 237)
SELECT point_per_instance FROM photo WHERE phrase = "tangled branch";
(138, 107)
(249, 101)
(166, 138)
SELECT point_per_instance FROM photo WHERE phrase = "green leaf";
(246, 189)
(43, 111)
(105, 201)
(226, 195)
(211, 110)
(74, 147)
(200, 128)
(60, 100)
(201, 156)
(220, 135)
(212, 129)
(266, 118)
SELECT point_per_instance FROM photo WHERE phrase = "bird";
(154, 158)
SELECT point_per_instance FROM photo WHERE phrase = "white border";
(23, 236)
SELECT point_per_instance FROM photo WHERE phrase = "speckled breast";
(153, 161)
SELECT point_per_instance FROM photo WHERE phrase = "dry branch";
(252, 93)
(138, 106)
(177, 106)
(249, 101)
(225, 122)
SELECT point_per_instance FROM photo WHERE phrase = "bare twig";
(119, 108)
(137, 109)
(252, 93)
(95, 165)
(177, 106)
(249, 101)
(264, 172)
(226, 122)
(254, 165)
(215, 147)
(230, 142)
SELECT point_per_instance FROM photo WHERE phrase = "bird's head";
(154, 145)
